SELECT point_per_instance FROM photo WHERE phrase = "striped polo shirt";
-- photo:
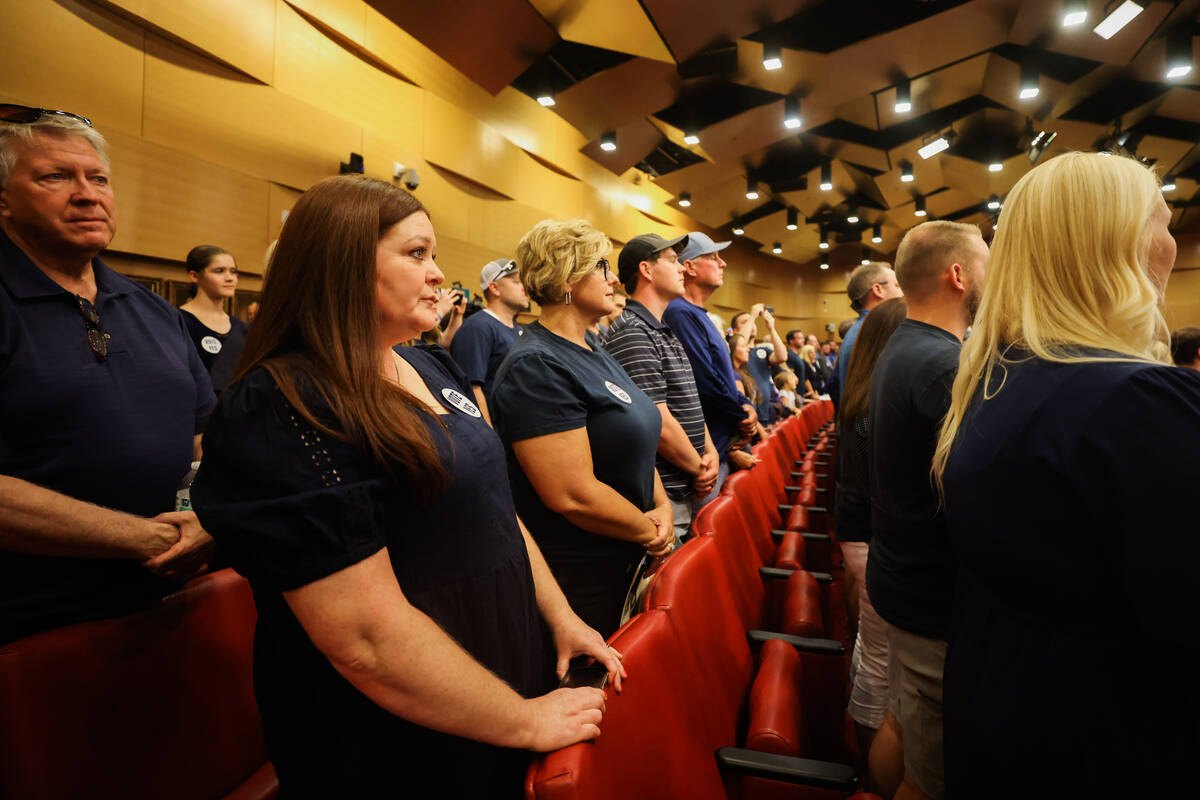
(655, 360)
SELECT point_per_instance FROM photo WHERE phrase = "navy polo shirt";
(481, 345)
(117, 433)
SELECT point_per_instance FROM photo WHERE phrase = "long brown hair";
(873, 336)
(318, 325)
(752, 388)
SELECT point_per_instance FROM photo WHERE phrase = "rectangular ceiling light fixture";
(1029, 82)
(1119, 18)
(906, 172)
(1179, 53)
(826, 176)
(691, 137)
(1075, 12)
(904, 97)
(772, 57)
(933, 148)
(791, 112)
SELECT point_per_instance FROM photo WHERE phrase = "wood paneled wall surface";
(221, 112)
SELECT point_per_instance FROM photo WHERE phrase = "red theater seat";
(159, 704)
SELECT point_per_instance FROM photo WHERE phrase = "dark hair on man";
(844, 326)
(323, 338)
(876, 329)
(1185, 343)
(791, 333)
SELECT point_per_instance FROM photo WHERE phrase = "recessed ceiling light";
(995, 166)
(933, 148)
(608, 142)
(777, 249)
(685, 199)
(1169, 183)
(691, 137)
(546, 99)
(1118, 19)
(993, 202)
(738, 230)
(1075, 12)
(824, 265)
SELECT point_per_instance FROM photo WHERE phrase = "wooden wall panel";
(312, 67)
(168, 202)
(447, 204)
(460, 143)
(215, 114)
(1183, 298)
(71, 56)
(279, 200)
(499, 224)
(239, 32)
(461, 260)
(347, 17)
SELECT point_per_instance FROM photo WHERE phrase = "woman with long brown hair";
(360, 491)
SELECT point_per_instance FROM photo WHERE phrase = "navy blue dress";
(1073, 655)
(289, 506)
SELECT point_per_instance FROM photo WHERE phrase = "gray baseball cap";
(700, 244)
(494, 271)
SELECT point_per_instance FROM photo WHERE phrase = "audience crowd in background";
(438, 508)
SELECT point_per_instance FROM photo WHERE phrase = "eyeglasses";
(10, 112)
(91, 320)
(602, 264)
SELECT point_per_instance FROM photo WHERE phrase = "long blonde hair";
(1067, 274)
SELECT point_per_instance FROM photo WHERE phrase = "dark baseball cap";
(643, 248)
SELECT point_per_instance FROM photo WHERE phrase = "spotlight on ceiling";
(851, 214)
(1029, 82)
(1075, 12)
(934, 147)
(1169, 183)
(777, 249)
(824, 265)
(824, 245)
(1119, 18)
(919, 207)
(772, 57)
(546, 99)
(1179, 53)
(738, 230)
(906, 172)
(866, 259)
(993, 202)
(691, 136)
(793, 219)
(904, 96)
(1040, 142)
(751, 189)
(791, 112)
(685, 199)
(826, 176)
(608, 142)
(995, 166)
(877, 233)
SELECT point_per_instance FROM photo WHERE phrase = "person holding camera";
(485, 339)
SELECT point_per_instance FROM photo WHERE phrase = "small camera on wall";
(354, 167)
(406, 175)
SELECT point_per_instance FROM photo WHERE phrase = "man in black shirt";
(910, 574)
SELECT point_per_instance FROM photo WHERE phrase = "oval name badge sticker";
(457, 400)
(211, 343)
(618, 392)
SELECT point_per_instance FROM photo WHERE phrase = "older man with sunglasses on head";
(102, 398)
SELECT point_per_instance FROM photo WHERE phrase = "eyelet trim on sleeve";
(316, 450)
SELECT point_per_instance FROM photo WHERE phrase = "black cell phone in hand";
(584, 672)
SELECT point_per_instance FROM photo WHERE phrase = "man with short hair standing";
(910, 570)
(869, 285)
(1185, 347)
(656, 361)
(102, 395)
(727, 412)
(486, 337)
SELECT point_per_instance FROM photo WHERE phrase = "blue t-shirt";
(760, 369)
(481, 345)
(1070, 505)
(547, 385)
(117, 432)
(712, 368)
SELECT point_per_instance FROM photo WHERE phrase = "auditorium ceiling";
(820, 146)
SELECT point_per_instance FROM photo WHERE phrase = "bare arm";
(456, 320)
(398, 657)
(481, 401)
(559, 465)
(779, 351)
(43, 522)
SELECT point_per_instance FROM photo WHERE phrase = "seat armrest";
(781, 573)
(803, 644)
(789, 769)
(808, 537)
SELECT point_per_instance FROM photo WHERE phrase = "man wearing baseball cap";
(726, 410)
(650, 352)
(485, 338)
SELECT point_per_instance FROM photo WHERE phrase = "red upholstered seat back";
(159, 704)
(647, 749)
(751, 501)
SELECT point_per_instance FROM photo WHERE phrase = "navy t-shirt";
(210, 345)
(117, 432)
(910, 572)
(547, 385)
(760, 369)
(480, 346)
(1070, 504)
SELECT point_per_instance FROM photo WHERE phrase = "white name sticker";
(618, 392)
(211, 343)
(457, 400)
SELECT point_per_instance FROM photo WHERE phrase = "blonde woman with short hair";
(1068, 463)
(581, 437)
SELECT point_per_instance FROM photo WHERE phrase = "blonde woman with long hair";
(1068, 463)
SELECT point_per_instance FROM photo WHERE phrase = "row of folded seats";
(738, 663)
